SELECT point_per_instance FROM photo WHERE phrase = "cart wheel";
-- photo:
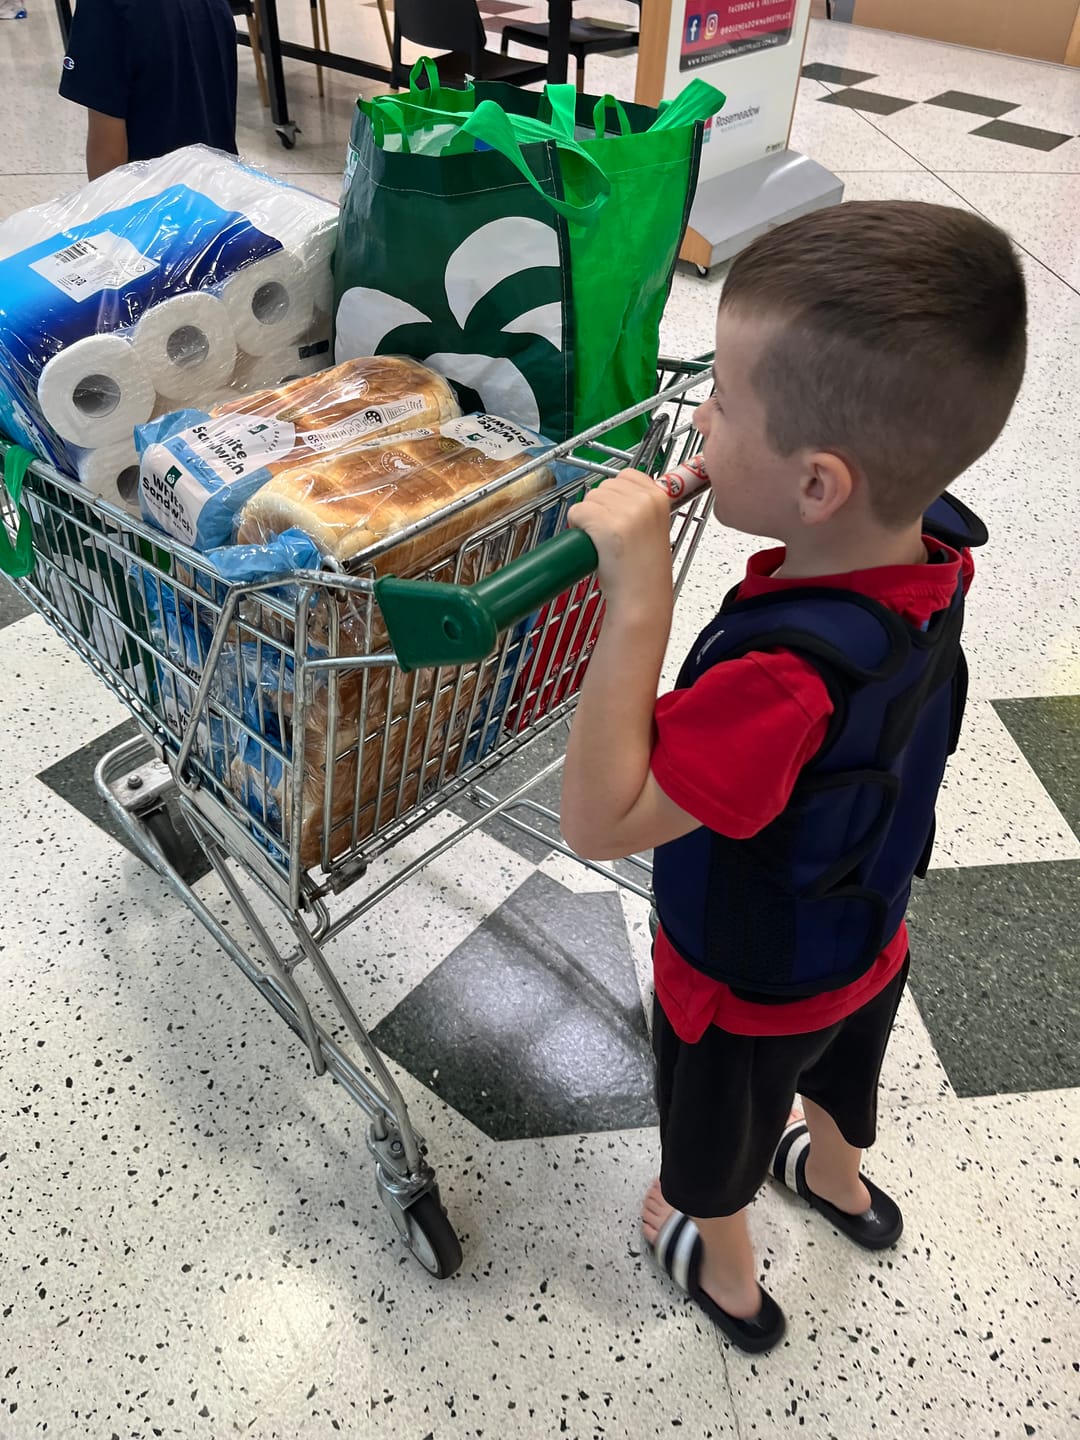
(703, 271)
(287, 135)
(426, 1230)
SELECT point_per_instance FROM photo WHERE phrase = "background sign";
(720, 29)
(749, 49)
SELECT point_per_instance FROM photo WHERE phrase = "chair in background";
(587, 37)
(248, 11)
(456, 28)
(318, 9)
(318, 12)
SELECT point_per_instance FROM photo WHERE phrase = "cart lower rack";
(284, 737)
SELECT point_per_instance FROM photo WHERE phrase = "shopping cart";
(293, 731)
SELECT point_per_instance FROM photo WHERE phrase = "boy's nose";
(700, 421)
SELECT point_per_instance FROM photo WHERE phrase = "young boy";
(153, 75)
(865, 356)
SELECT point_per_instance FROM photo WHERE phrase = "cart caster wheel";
(426, 1230)
(287, 135)
(703, 271)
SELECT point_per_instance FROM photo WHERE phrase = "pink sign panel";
(720, 29)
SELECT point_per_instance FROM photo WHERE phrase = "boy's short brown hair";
(900, 341)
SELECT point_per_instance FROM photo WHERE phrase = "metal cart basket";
(287, 734)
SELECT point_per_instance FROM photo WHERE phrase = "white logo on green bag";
(501, 249)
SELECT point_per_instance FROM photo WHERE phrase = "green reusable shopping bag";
(16, 556)
(523, 244)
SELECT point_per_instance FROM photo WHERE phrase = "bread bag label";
(193, 485)
(364, 422)
(493, 436)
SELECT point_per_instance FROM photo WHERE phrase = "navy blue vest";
(808, 903)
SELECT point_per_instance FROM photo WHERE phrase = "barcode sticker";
(99, 262)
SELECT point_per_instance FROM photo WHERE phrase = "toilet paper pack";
(168, 283)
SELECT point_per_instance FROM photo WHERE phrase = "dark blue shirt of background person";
(153, 75)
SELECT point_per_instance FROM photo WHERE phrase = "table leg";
(558, 40)
(270, 35)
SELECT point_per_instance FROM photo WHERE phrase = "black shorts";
(724, 1102)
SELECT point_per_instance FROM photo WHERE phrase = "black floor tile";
(995, 971)
(1027, 135)
(12, 606)
(1048, 732)
(867, 100)
(835, 74)
(534, 1025)
(73, 780)
(972, 104)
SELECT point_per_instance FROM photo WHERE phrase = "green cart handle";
(430, 623)
(435, 624)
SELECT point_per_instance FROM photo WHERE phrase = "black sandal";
(678, 1251)
(877, 1228)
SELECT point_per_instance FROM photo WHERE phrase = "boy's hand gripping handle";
(436, 624)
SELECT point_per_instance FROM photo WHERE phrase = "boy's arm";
(611, 804)
(106, 143)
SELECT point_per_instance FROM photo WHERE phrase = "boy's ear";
(829, 480)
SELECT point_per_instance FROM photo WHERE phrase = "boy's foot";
(756, 1324)
(877, 1226)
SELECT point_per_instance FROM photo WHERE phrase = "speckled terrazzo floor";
(190, 1241)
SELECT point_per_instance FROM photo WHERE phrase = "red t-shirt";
(729, 750)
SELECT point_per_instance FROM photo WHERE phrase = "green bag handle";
(17, 560)
(383, 119)
(427, 68)
(563, 102)
(431, 623)
(600, 109)
(506, 134)
(697, 102)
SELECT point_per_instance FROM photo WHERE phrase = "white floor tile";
(50, 704)
(19, 192)
(43, 134)
(1038, 210)
(569, 1330)
(942, 140)
(842, 139)
(190, 1223)
(993, 809)
(1022, 632)
(327, 185)
(916, 69)
(965, 1329)
(898, 185)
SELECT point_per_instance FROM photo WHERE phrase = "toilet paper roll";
(259, 372)
(94, 393)
(270, 302)
(187, 346)
(113, 474)
(316, 252)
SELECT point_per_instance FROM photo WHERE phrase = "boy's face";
(754, 489)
